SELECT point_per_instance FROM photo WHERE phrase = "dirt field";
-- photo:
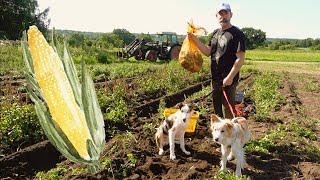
(132, 154)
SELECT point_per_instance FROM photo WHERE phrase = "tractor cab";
(167, 38)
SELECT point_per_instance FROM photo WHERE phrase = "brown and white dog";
(172, 130)
(232, 135)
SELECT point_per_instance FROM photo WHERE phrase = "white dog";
(232, 135)
(172, 130)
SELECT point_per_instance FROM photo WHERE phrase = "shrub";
(102, 57)
(287, 47)
(316, 47)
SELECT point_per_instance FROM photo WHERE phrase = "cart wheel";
(152, 55)
(174, 52)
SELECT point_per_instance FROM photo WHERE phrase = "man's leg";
(231, 94)
(217, 98)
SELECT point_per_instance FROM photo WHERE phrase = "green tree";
(254, 37)
(124, 35)
(17, 15)
(109, 40)
(205, 39)
(146, 37)
(76, 40)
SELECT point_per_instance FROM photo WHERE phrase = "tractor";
(165, 47)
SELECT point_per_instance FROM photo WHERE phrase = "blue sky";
(278, 18)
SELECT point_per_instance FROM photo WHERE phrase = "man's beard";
(225, 21)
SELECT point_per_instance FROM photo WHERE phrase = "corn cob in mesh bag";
(190, 56)
(68, 111)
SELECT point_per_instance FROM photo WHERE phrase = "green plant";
(203, 110)
(53, 174)
(266, 95)
(301, 131)
(79, 170)
(161, 108)
(149, 84)
(221, 175)
(125, 141)
(133, 159)
(106, 162)
(267, 143)
(312, 85)
(102, 57)
(10, 59)
(19, 124)
(118, 112)
(148, 129)
(116, 106)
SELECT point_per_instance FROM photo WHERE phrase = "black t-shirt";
(224, 46)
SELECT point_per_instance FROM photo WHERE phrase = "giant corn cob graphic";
(68, 111)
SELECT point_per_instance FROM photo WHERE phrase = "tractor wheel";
(174, 53)
(138, 55)
(152, 55)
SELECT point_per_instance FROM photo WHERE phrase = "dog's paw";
(172, 156)
(238, 173)
(187, 152)
(161, 151)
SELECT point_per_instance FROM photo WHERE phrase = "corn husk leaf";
(68, 111)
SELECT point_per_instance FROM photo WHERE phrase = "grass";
(11, 59)
(283, 55)
(291, 67)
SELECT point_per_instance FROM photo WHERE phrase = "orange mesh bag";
(190, 56)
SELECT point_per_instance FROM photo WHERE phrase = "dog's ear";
(239, 120)
(214, 118)
(179, 105)
(229, 126)
(234, 120)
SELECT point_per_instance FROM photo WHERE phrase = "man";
(227, 51)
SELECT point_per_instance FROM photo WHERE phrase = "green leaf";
(72, 76)
(26, 53)
(92, 110)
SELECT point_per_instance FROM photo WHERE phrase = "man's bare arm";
(206, 50)
(237, 65)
